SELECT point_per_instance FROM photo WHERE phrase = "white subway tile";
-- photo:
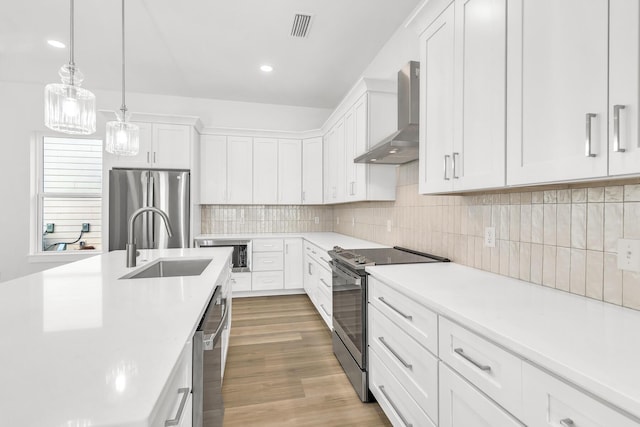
(563, 225)
(631, 289)
(578, 271)
(563, 269)
(632, 193)
(614, 194)
(595, 226)
(550, 211)
(525, 261)
(514, 259)
(549, 266)
(613, 216)
(631, 220)
(537, 223)
(612, 279)
(579, 225)
(536, 263)
(595, 194)
(594, 275)
(525, 223)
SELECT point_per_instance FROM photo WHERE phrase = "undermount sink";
(170, 268)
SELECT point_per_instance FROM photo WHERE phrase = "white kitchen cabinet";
(557, 58)
(462, 405)
(162, 146)
(334, 167)
(239, 170)
(624, 87)
(226, 169)
(293, 264)
(289, 171)
(312, 161)
(265, 171)
(177, 389)
(355, 128)
(463, 100)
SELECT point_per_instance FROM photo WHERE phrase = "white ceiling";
(203, 48)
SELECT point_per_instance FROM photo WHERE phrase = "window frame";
(36, 254)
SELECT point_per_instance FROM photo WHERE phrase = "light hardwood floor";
(281, 370)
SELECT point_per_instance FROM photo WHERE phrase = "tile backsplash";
(265, 218)
(562, 236)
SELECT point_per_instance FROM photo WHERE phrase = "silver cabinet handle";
(455, 174)
(325, 260)
(567, 422)
(313, 252)
(325, 310)
(480, 366)
(233, 280)
(325, 283)
(616, 129)
(406, 365)
(303, 196)
(148, 160)
(395, 408)
(384, 301)
(446, 157)
(587, 145)
(267, 261)
(310, 269)
(175, 421)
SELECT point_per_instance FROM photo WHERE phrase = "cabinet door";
(265, 171)
(140, 160)
(557, 58)
(436, 104)
(213, 169)
(312, 161)
(239, 170)
(478, 157)
(355, 143)
(172, 146)
(293, 264)
(329, 170)
(349, 151)
(289, 171)
(461, 405)
(337, 166)
(624, 88)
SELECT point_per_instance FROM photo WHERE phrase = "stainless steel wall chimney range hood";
(401, 146)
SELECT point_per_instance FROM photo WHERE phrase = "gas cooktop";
(358, 259)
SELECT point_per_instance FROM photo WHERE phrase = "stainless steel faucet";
(131, 244)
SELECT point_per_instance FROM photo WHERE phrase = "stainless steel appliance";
(132, 189)
(208, 406)
(401, 146)
(241, 257)
(350, 305)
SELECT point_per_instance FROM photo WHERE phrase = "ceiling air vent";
(301, 24)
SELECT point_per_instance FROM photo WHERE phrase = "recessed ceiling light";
(266, 68)
(374, 160)
(56, 43)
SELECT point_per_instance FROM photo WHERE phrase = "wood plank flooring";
(281, 370)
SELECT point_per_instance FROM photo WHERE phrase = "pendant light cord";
(72, 63)
(124, 106)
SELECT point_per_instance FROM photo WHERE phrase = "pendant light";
(123, 137)
(68, 108)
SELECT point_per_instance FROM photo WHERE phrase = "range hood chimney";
(401, 146)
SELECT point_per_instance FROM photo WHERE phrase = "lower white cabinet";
(462, 405)
(317, 281)
(169, 407)
(241, 282)
(551, 402)
(267, 280)
(293, 264)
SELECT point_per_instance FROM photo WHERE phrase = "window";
(68, 194)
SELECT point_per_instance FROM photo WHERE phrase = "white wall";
(21, 114)
(401, 48)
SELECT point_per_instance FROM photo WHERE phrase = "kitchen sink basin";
(170, 268)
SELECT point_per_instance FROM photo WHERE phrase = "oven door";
(349, 311)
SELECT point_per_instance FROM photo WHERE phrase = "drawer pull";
(325, 310)
(384, 343)
(325, 283)
(313, 252)
(567, 422)
(480, 366)
(266, 261)
(267, 246)
(325, 260)
(395, 408)
(175, 421)
(406, 316)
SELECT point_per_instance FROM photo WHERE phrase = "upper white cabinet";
(557, 99)
(463, 78)
(334, 164)
(624, 88)
(226, 165)
(162, 146)
(265, 171)
(289, 171)
(312, 171)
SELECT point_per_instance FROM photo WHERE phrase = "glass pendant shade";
(123, 137)
(69, 108)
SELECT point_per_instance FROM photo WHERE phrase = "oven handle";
(345, 274)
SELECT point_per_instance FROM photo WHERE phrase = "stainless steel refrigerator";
(131, 189)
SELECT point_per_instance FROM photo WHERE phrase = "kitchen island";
(82, 347)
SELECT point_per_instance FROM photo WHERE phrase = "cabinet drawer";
(462, 405)
(549, 402)
(414, 367)
(268, 245)
(267, 261)
(240, 282)
(316, 253)
(266, 280)
(487, 366)
(396, 403)
(324, 278)
(323, 301)
(415, 319)
(177, 389)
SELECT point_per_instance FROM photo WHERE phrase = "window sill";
(61, 257)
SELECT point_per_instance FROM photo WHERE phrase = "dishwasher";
(208, 406)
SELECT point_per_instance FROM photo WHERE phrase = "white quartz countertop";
(592, 344)
(325, 240)
(82, 348)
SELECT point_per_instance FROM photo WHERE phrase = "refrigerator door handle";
(151, 217)
(144, 243)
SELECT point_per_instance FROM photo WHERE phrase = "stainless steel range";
(350, 305)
